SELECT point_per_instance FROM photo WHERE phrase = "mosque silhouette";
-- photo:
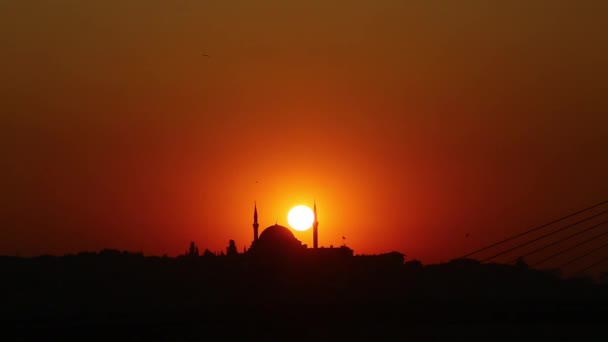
(278, 241)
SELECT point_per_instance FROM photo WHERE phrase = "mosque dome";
(277, 234)
(276, 239)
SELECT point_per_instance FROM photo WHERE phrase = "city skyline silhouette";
(274, 287)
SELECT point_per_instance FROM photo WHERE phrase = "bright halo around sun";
(300, 217)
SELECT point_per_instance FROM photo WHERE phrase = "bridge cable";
(534, 229)
(564, 239)
(544, 236)
(601, 261)
(579, 257)
(569, 249)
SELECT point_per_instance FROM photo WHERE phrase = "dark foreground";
(129, 297)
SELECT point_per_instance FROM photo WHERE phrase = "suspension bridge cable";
(544, 236)
(534, 229)
(564, 239)
(579, 257)
(601, 261)
(593, 238)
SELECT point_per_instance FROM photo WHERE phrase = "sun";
(300, 217)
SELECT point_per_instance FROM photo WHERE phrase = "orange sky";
(411, 123)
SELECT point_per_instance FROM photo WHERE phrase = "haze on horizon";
(412, 124)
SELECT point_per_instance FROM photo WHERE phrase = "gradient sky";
(412, 123)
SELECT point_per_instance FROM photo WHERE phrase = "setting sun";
(300, 217)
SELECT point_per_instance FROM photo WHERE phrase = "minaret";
(315, 229)
(255, 222)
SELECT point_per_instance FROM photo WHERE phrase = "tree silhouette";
(231, 249)
(193, 250)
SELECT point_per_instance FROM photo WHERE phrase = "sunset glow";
(413, 124)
